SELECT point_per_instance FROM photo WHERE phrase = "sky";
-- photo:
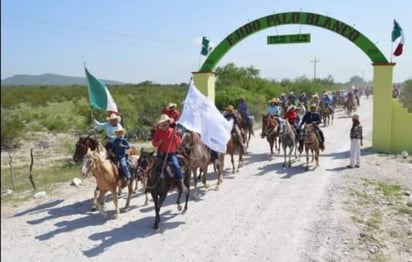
(160, 41)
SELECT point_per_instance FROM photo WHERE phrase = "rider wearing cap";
(313, 117)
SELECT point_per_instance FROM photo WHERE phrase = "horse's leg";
(240, 163)
(204, 171)
(220, 170)
(187, 184)
(155, 198)
(233, 162)
(307, 158)
(317, 156)
(195, 190)
(290, 155)
(100, 202)
(115, 201)
(144, 183)
(160, 201)
(95, 196)
(129, 193)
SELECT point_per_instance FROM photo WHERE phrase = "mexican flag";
(99, 95)
(396, 33)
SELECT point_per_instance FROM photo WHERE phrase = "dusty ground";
(263, 213)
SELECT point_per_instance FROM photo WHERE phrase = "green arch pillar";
(205, 82)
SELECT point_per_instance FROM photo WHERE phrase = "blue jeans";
(125, 169)
(172, 158)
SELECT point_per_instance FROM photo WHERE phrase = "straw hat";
(113, 117)
(291, 93)
(290, 107)
(355, 117)
(165, 118)
(273, 100)
(118, 129)
(313, 106)
(315, 95)
(242, 98)
(171, 105)
(230, 108)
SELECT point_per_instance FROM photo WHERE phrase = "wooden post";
(31, 170)
(11, 170)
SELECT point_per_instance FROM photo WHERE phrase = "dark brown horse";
(233, 147)
(160, 180)
(270, 130)
(311, 143)
(245, 126)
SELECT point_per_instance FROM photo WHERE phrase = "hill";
(49, 80)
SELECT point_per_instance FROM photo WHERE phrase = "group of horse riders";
(284, 109)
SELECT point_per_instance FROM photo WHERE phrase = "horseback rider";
(120, 144)
(167, 140)
(327, 100)
(291, 116)
(292, 98)
(171, 111)
(243, 109)
(313, 117)
(113, 122)
(230, 114)
(274, 111)
(303, 99)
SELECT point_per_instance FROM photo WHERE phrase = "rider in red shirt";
(171, 111)
(167, 140)
(291, 115)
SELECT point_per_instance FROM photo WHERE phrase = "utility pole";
(314, 64)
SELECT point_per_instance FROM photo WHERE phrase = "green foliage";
(406, 95)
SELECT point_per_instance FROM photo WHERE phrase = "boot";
(181, 186)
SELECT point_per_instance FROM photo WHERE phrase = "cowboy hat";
(313, 106)
(273, 100)
(165, 118)
(291, 93)
(113, 117)
(119, 128)
(355, 117)
(315, 95)
(242, 98)
(290, 107)
(171, 105)
(230, 108)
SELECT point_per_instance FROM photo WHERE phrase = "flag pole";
(91, 109)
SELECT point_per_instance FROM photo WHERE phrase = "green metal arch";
(313, 19)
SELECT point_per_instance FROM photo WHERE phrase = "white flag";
(200, 115)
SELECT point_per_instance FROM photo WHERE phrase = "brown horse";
(327, 114)
(245, 128)
(270, 130)
(106, 178)
(311, 143)
(233, 147)
(199, 156)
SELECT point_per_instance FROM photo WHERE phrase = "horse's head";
(83, 144)
(89, 161)
(146, 159)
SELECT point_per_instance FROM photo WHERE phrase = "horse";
(270, 130)
(86, 143)
(199, 156)
(160, 182)
(350, 106)
(246, 127)
(106, 179)
(327, 113)
(288, 140)
(311, 143)
(233, 146)
(301, 110)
